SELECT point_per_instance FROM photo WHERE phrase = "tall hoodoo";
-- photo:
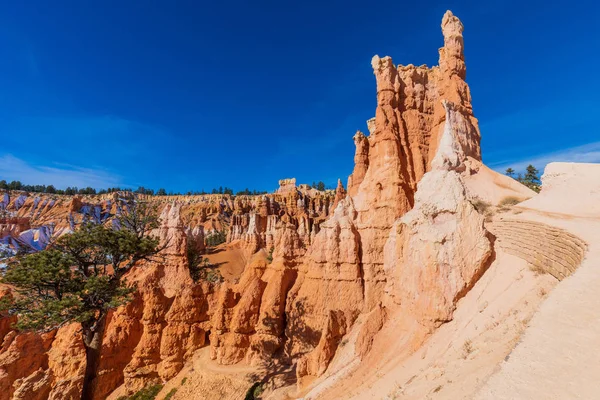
(361, 162)
(419, 110)
(452, 57)
(405, 133)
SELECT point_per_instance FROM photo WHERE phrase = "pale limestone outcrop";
(437, 250)
(569, 188)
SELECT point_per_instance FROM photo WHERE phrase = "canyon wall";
(171, 316)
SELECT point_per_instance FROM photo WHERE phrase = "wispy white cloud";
(587, 153)
(59, 175)
(97, 151)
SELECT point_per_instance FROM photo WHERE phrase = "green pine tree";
(79, 278)
(531, 178)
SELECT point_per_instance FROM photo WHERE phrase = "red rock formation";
(340, 194)
(287, 185)
(23, 360)
(411, 114)
(361, 162)
(252, 219)
(13, 226)
(147, 340)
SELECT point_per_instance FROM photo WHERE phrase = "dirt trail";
(204, 379)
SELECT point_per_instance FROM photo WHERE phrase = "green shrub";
(147, 393)
(270, 255)
(258, 391)
(211, 274)
(201, 268)
(195, 259)
(216, 238)
(254, 392)
(509, 201)
(481, 206)
(170, 394)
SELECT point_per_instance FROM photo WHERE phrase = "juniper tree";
(79, 278)
(510, 172)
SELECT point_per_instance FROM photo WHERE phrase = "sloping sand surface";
(492, 186)
(461, 354)
(558, 355)
(513, 335)
(230, 260)
(569, 189)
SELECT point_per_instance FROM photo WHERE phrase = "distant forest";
(50, 189)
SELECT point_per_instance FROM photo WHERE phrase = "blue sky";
(191, 95)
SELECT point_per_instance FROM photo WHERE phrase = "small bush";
(254, 392)
(270, 255)
(509, 201)
(212, 275)
(195, 260)
(537, 270)
(481, 206)
(201, 269)
(467, 348)
(147, 393)
(216, 238)
(183, 381)
(170, 394)
(258, 391)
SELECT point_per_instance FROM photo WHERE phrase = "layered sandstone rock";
(328, 294)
